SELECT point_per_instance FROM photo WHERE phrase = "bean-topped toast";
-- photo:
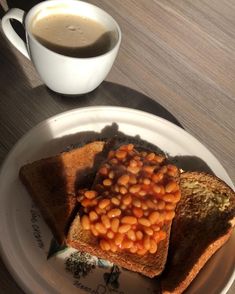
(126, 216)
(130, 206)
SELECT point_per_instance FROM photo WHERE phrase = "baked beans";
(135, 196)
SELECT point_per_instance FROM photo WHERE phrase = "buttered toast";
(203, 223)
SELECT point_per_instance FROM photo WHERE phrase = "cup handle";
(10, 33)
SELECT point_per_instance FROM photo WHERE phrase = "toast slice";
(52, 183)
(203, 223)
(114, 181)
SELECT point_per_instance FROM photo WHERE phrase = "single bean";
(153, 247)
(170, 206)
(123, 207)
(147, 181)
(134, 189)
(163, 169)
(85, 222)
(127, 244)
(86, 202)
(114, 161)
(111, 154)
(133, 163)
(133, 169)
(146, 213)
(133, 180)
(130, 147)
(138, 212)
(124, 228)
(110, 234)
(133, 249)
(144, 222)
(154, 217)
(144, 206)
(142, 193)
(171, 187)
(123, 190)
(131, 220)
(159, 158)
(127, 199)
(123, 180)
(114, 212)
(115, 224)
(116, 188)
(155, 178)
(131, 235)
(168, 197)
(113, 247)
(103, 171)
(120, 154)
(169, 215)
(177, 196)
(149, 168)
(107, 182)
(156, 236)
(146, 242)
(157, 189)
(150, 204)
(100, 211)
(93, 216)
(104, 203)
(140, 245)
(162, 216)
(141, 251)
(156, 228)
(148, 231)
(94, 231)
(162, 235)
(150, 156)
(118, 239)
(143, 153)
(137, 203)
(106, 221)
(104, 244)
(111, 174)
(161, 204)
(90, 194)
(115, 201)
(100, 228)
(172, 168)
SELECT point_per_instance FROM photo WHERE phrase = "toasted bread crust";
(51, 182)
(209, 222)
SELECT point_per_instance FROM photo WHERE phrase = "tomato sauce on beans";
(134, 196)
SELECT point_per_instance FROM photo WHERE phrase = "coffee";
(72, 35)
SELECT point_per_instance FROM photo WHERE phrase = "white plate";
(25, 239)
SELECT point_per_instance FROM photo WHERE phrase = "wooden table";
(181, 54)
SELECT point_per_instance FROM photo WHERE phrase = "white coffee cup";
(64, 74)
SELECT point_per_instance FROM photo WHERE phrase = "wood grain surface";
(179, 55)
